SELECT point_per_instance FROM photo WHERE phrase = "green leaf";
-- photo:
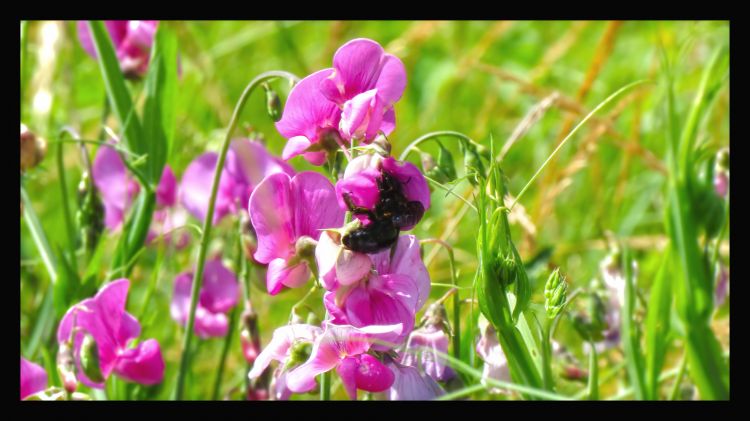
(630, 337)
(658, 326)
(159, 110)
(117, 91)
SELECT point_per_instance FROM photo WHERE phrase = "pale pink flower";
(425, 349)
(410, 384)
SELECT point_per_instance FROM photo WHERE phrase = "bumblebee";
(392, 213)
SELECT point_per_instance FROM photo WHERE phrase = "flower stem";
(325, 386)
(593, 374)
(37, 234)
(69, 227)
(207, 224)
(678, 381)
(431, 135)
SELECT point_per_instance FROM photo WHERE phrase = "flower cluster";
(349, 237)
(132, 40)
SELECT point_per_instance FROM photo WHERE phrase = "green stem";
(462, 392)
(547, 357)
(69, 227)
(325, 386)
(593, 373)
(207, 224)
(573, 132)
(224, 353)
(37, 234)
(674, 394)
(431, 135)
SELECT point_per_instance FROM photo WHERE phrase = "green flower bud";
(506, 269)
(298, 354)
(90, 359)
(472, 162)
(273, 103)
(555, 293)
(445, 163)
(90, 214)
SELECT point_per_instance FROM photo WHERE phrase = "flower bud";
(90, 214)
(273, 103)
(298, 354)
(506, 269)
(33, 149)
(445, 162)
(249, 337)
(472, 162)
(305, 247)
(429, 165)
(555, 293)
(66, 367)
(90, 359)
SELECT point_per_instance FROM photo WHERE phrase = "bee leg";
(357, 210)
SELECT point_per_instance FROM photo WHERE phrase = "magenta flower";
(393, 292)
(132, 40)
(364, 174)
(33, 378)
(280, 349)
(344, 348)
(246, 164)
(288, 214)
(425, 349)
(411, 385)
(105, 319)
(218, 295)
(352, 101)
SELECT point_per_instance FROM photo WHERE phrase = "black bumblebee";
(392, 213)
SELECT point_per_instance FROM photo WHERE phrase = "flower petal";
(114, 184)
(220, 290)
(413, 182)
(307, 111)
(279, 275)
(271, 213)
(143, 364)
(166, 191)
(347, 370)
(372, 375)
(33, 378)
(314, 205)
(195, 188)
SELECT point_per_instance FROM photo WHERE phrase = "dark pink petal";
(391, 81)
(271, 212)
(361, 187)
(307, 112)
(347, 370)
(315, 158)
(389, 122)
(195, 188)
(116, 187)
(129, 328)
(142, 32)
(33, 378)
(372, 375)
(143, 364)
(315, 207)
(117, 31)
(358, 64)
(166, 191)
(220, 290)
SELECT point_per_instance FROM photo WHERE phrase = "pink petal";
(180, 306)
(391, 81)
(279, 275)
(278, 348)
(271, 213)
(166, 191)
(356, 115)
(347, 370)
(251, 163)
(372, 375)
(365, 307)
(33, 378)
(220, 290)
(409, 384)
(307, 111)
(323, 358)
(413, 182)
(295, 146)
(358, 64)
(361, 187)
(143, 364)
(208, 324)
(114, 184)
(352, 266)
(315, 158)
(315, 208)
(117, 31)
(389, 122)
(408, 260)
(195, 188)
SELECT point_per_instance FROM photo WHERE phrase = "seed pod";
(90, 214)
(506, 269)
(273, 103)
(90, 359)
(445, 162)
(555, 293)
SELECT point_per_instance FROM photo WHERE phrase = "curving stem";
(207, 224)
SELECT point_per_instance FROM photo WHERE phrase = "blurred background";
(479, 78)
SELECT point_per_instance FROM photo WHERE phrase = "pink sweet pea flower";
(489, 350)
(33, 378)
(361, 178)
(280, 349)
(411, 385)
(105, 319)
(344, 348)
(218, 295)
(352, 101)
(338, 265)
(365, 83)
(132, 40)
(118, 190)
(287, 215)
(393, 292)
(246, 164)
(426, 349)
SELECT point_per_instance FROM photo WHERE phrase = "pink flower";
(132, 40)
(280, 349)
(218, 295)
(393, 292)
(364, 176)
(425, 349)
(337, 264)
(489, 350)
(288, 214)
(352, 101)
(344, 348)
(33, 378)
(411, 385)
(118, 190)
(246, 164)
(105, 319)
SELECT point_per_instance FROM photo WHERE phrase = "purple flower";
(411, 385)
(287, 214)
(105, 319)
(246, 164)
(393, 292)
(722, 286)
(352, 101)
(344, 348)
(361, 178)
(132, 40)
(33, 378)
(218, 295)
(118, 189)
(426, 349)
(489, 350)
(280, 349)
